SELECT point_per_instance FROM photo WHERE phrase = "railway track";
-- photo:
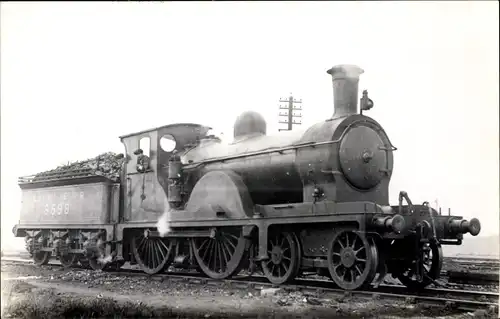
(456, 299)
(461, 277)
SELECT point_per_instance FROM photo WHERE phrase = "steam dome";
(249, 123)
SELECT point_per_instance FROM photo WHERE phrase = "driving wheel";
(152, 254)
(221, 257)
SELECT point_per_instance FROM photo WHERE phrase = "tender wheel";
(97, 263)
(85, 263)
(41, 258)
(152, 254)
(98, 259)
(283, 263)
(220, 257)
(352, 260)
(432, 262)
(68, 260)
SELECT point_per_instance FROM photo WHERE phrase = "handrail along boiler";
(314, 200)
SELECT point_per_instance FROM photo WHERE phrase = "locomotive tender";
(314, 200)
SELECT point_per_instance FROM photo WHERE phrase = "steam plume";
(387, 209)
(105, 260)
(163, 224)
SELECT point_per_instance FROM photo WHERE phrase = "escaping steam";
(387, 209)
(105, 260)
(163, 224)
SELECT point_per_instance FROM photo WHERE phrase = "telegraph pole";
(289, 114)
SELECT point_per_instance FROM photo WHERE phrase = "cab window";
(145, 145)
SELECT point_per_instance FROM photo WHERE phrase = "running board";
(182, 234)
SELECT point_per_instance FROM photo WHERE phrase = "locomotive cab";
(149, 156)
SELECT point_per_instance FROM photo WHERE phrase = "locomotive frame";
(314, 200)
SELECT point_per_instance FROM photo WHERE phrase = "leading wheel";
(220, 257)
(152, 254)
(432, 262)
(352, 259)
(283, 263)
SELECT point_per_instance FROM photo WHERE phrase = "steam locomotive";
(296, 202)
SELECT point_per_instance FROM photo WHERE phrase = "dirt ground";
(50, 292)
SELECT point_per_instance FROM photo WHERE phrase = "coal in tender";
(107, 164)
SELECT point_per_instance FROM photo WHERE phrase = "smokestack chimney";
(345, 79)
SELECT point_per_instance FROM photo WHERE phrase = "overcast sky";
(75, 76)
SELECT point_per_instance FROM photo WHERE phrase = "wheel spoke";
(230, 243)
(344, 272)
(146, 254)
(285, 267)
(338, 266)
(282, 241)
(143, 241)
(358, 270)
(229, 234)
(228, 252)
(356, 252)
(159, 253)
(203, 244)
(207, 249)
(224, 252)
(165, 247)
(152, 254)
(222, 265)
(340, 243)
(213, 255)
